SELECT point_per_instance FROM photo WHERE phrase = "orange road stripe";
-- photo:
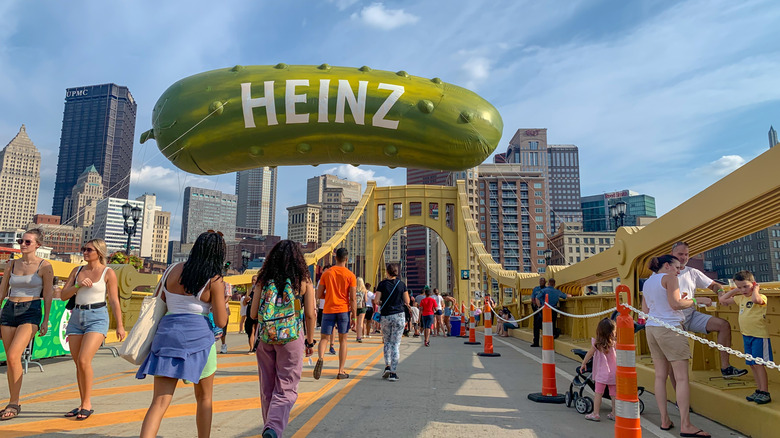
(309, 426)
(298, 409)
(26, 397)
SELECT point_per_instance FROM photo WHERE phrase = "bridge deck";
(445, 390)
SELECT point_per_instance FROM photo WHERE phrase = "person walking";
(449, 302)
(88, 324)
(438, 315)
(360, 297)
(280, 360)
(604, 356)
(393, 298)
(250, 324)
(662, 302)
(183, 346)
(369, 318)
(26, 281)
(535, 305)
(427, 310)
(242, 313)
(338, 284)
(223, 337)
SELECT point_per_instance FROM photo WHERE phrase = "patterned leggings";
(392, 329)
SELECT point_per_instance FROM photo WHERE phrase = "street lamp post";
(618, 212)
(134, 213)
(245, 257)
(547, 257)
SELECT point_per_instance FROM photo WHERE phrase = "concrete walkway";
(444, 391)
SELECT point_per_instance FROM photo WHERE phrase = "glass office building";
(595, 210)
(98, 126)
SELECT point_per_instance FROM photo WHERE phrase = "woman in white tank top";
(88, 324)
(26, 282)
(661, 300)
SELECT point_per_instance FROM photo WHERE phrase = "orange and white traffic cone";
(627, 401)
(463, 320)
(472, 329)
(488, 312)
(549, 392)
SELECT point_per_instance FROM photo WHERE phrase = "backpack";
(360, 297)
(278, 321)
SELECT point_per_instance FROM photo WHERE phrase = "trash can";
(455, 324)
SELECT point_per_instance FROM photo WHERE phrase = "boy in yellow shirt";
(752, 324)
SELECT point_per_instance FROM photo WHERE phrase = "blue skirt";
(180, 348)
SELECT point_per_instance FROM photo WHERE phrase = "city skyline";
(587, 84)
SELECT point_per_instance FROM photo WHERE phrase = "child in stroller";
(574, 396)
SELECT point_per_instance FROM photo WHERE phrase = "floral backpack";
(279, 317)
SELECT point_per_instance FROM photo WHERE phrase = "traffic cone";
(472, 329)
(549, 392)
(488, 312)
(463, 320)
(627, 400)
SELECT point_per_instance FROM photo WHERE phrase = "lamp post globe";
(620, 209)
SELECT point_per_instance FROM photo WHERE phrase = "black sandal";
(84, 414)
(16, 410)
(73, 413)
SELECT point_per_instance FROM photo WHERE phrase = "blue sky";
(661, 97)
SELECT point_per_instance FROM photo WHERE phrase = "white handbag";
(138, 343)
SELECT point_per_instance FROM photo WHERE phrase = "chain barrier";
(712, 344)
(571, 315)
(517, 320)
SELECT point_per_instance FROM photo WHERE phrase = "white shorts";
(695, 321)
(243, 310)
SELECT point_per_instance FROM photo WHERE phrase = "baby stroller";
(574, 396)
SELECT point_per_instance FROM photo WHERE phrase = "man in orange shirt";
(339, 310)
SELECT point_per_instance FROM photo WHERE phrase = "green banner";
(53, 342)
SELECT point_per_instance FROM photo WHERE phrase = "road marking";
(309, 426)
(27, 397)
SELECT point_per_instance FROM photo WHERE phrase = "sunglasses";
(218, 232)
(27, 242)
(87, 250)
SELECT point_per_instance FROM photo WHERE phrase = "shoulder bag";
(378, 314)
(138, 343)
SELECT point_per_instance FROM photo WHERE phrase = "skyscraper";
(79, 206)
(256, 191)
(419, 257)
(772, 137)
(595, 210)
(315, 188)
(303, 223)
(559, 165)
(20, 179)
(98, 126)
(206, 209)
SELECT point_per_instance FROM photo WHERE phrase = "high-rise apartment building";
(315, 188)
(772, 137)
(160, 234)
(513, 216)
(471, 178)
(206, 209)
(79, 206)
(558, 164)
(20, 179)
(256, 191)
(98, 128)
(419, 254)
(303, 223)
(596, 215)
(109, 224)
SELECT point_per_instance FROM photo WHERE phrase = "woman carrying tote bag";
(391, 293)
(191, 291)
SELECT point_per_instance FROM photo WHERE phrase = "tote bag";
(139, 341)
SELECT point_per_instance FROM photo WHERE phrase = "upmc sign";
(77, 92)
(614, 195)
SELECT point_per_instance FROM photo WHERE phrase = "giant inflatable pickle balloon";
(253, 116)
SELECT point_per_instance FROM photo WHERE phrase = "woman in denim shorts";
(88, 324)
(25, 282)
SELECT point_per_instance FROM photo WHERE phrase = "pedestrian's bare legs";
(203, 413)
(342, 351)
(163, 394)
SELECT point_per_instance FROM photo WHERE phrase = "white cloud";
(360, 174)
(477, 69)
(723, 165)
(343, 4)
(376, 15)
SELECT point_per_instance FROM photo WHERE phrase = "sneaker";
(387, 372)
(593, 417)
(762, 398)
(415, 336)
(752, 397)
(223, 350)
(269, 433)
(534, 345)
(359, 340)
(332, 350)
(393, 377)
(732, 372)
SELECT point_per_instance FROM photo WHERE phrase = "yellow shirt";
(752, 316)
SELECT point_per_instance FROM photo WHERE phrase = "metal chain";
(581, 316)
(712, 344)
(517, 320)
